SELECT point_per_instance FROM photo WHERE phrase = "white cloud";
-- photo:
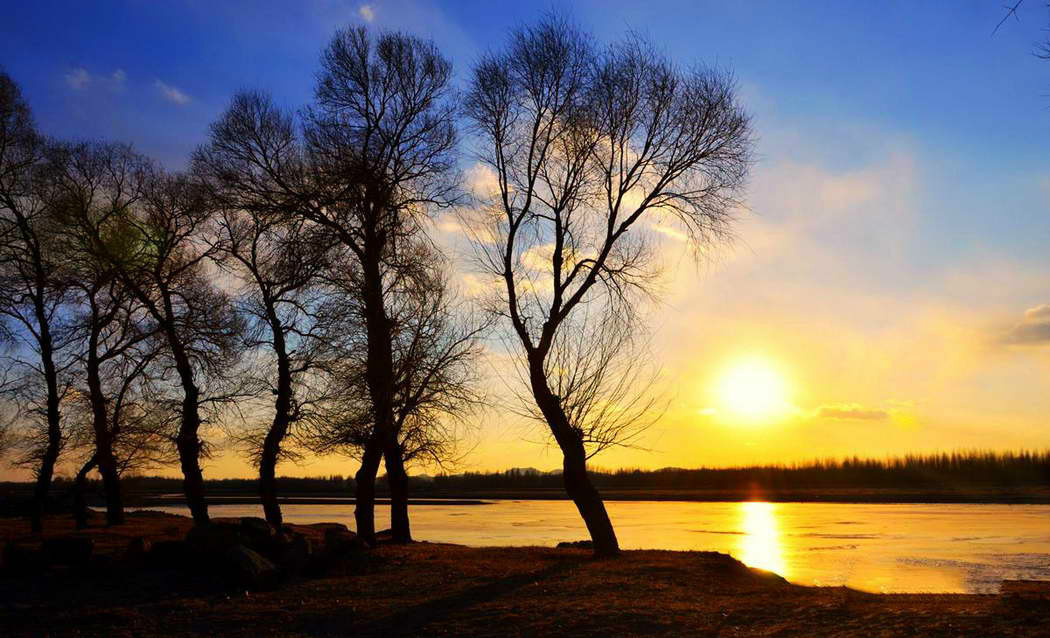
(171, 93)
(119, 76)
(78, 78)
(367, 12)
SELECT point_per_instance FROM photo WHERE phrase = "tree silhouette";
(375, 153)
(158, 245)
(279, 258)
(31, 295)
(587, 147)
(116, 342)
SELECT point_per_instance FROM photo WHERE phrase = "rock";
(68, 550)
(216, 537)
(576, 545)
(171, 554)
(339, 542)
(247, 568)
(19, 558)
(294, 557)
(137, 549)
(255, 526)
(259, 536)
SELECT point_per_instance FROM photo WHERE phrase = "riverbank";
(448, 590)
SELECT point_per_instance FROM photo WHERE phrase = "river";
(877, 548)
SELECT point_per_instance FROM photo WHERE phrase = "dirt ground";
(426, 589)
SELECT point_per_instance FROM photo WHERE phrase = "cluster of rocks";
(245, 553)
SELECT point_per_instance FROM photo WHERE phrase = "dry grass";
(444, 590)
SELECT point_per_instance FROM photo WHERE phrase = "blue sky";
(931, 72)
(901, 201)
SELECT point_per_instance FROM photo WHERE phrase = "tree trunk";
(54, 427)
(104, 435)
(397, 478)
(379, 374)
(47, 469)
(365, 491)
(279, 427)
(187, 441)
(80, 510)
(189, 447)
(107, 467)
(268, 475)
(589, 502)
(574, 464)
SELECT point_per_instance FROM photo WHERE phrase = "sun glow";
(752, 389)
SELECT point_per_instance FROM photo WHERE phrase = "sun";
(752, 389)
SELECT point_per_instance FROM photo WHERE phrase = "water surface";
(873, 547)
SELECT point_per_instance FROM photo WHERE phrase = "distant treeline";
(949, 470)
(958, 469)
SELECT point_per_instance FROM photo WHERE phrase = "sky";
(888, 290)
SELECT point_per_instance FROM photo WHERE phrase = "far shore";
(1005, 496)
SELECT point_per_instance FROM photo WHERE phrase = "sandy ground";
(428, 589)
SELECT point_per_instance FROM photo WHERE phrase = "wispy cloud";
(171, 94)
(78, 78)
(850, 412)
(367, 12)
(1033, 329)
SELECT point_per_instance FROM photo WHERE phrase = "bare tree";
(30, 295)
(116, 339)
(160, 245)
(588, 148)
(376, 153)
(436, 345)
(278, 257)
(382, 138)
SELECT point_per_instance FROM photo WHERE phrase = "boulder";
(216, 537)
(255, 526)
(247, 568)
(68, 550)
(340, 542)
(295, 555)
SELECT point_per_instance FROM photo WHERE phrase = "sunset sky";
(889, 288)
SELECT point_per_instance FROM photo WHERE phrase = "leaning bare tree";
(589, 148)
(31, 296)
(116, 341)
(160, 245)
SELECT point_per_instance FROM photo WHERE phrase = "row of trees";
(290, 272)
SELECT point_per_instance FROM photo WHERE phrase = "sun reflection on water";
(760, 546)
